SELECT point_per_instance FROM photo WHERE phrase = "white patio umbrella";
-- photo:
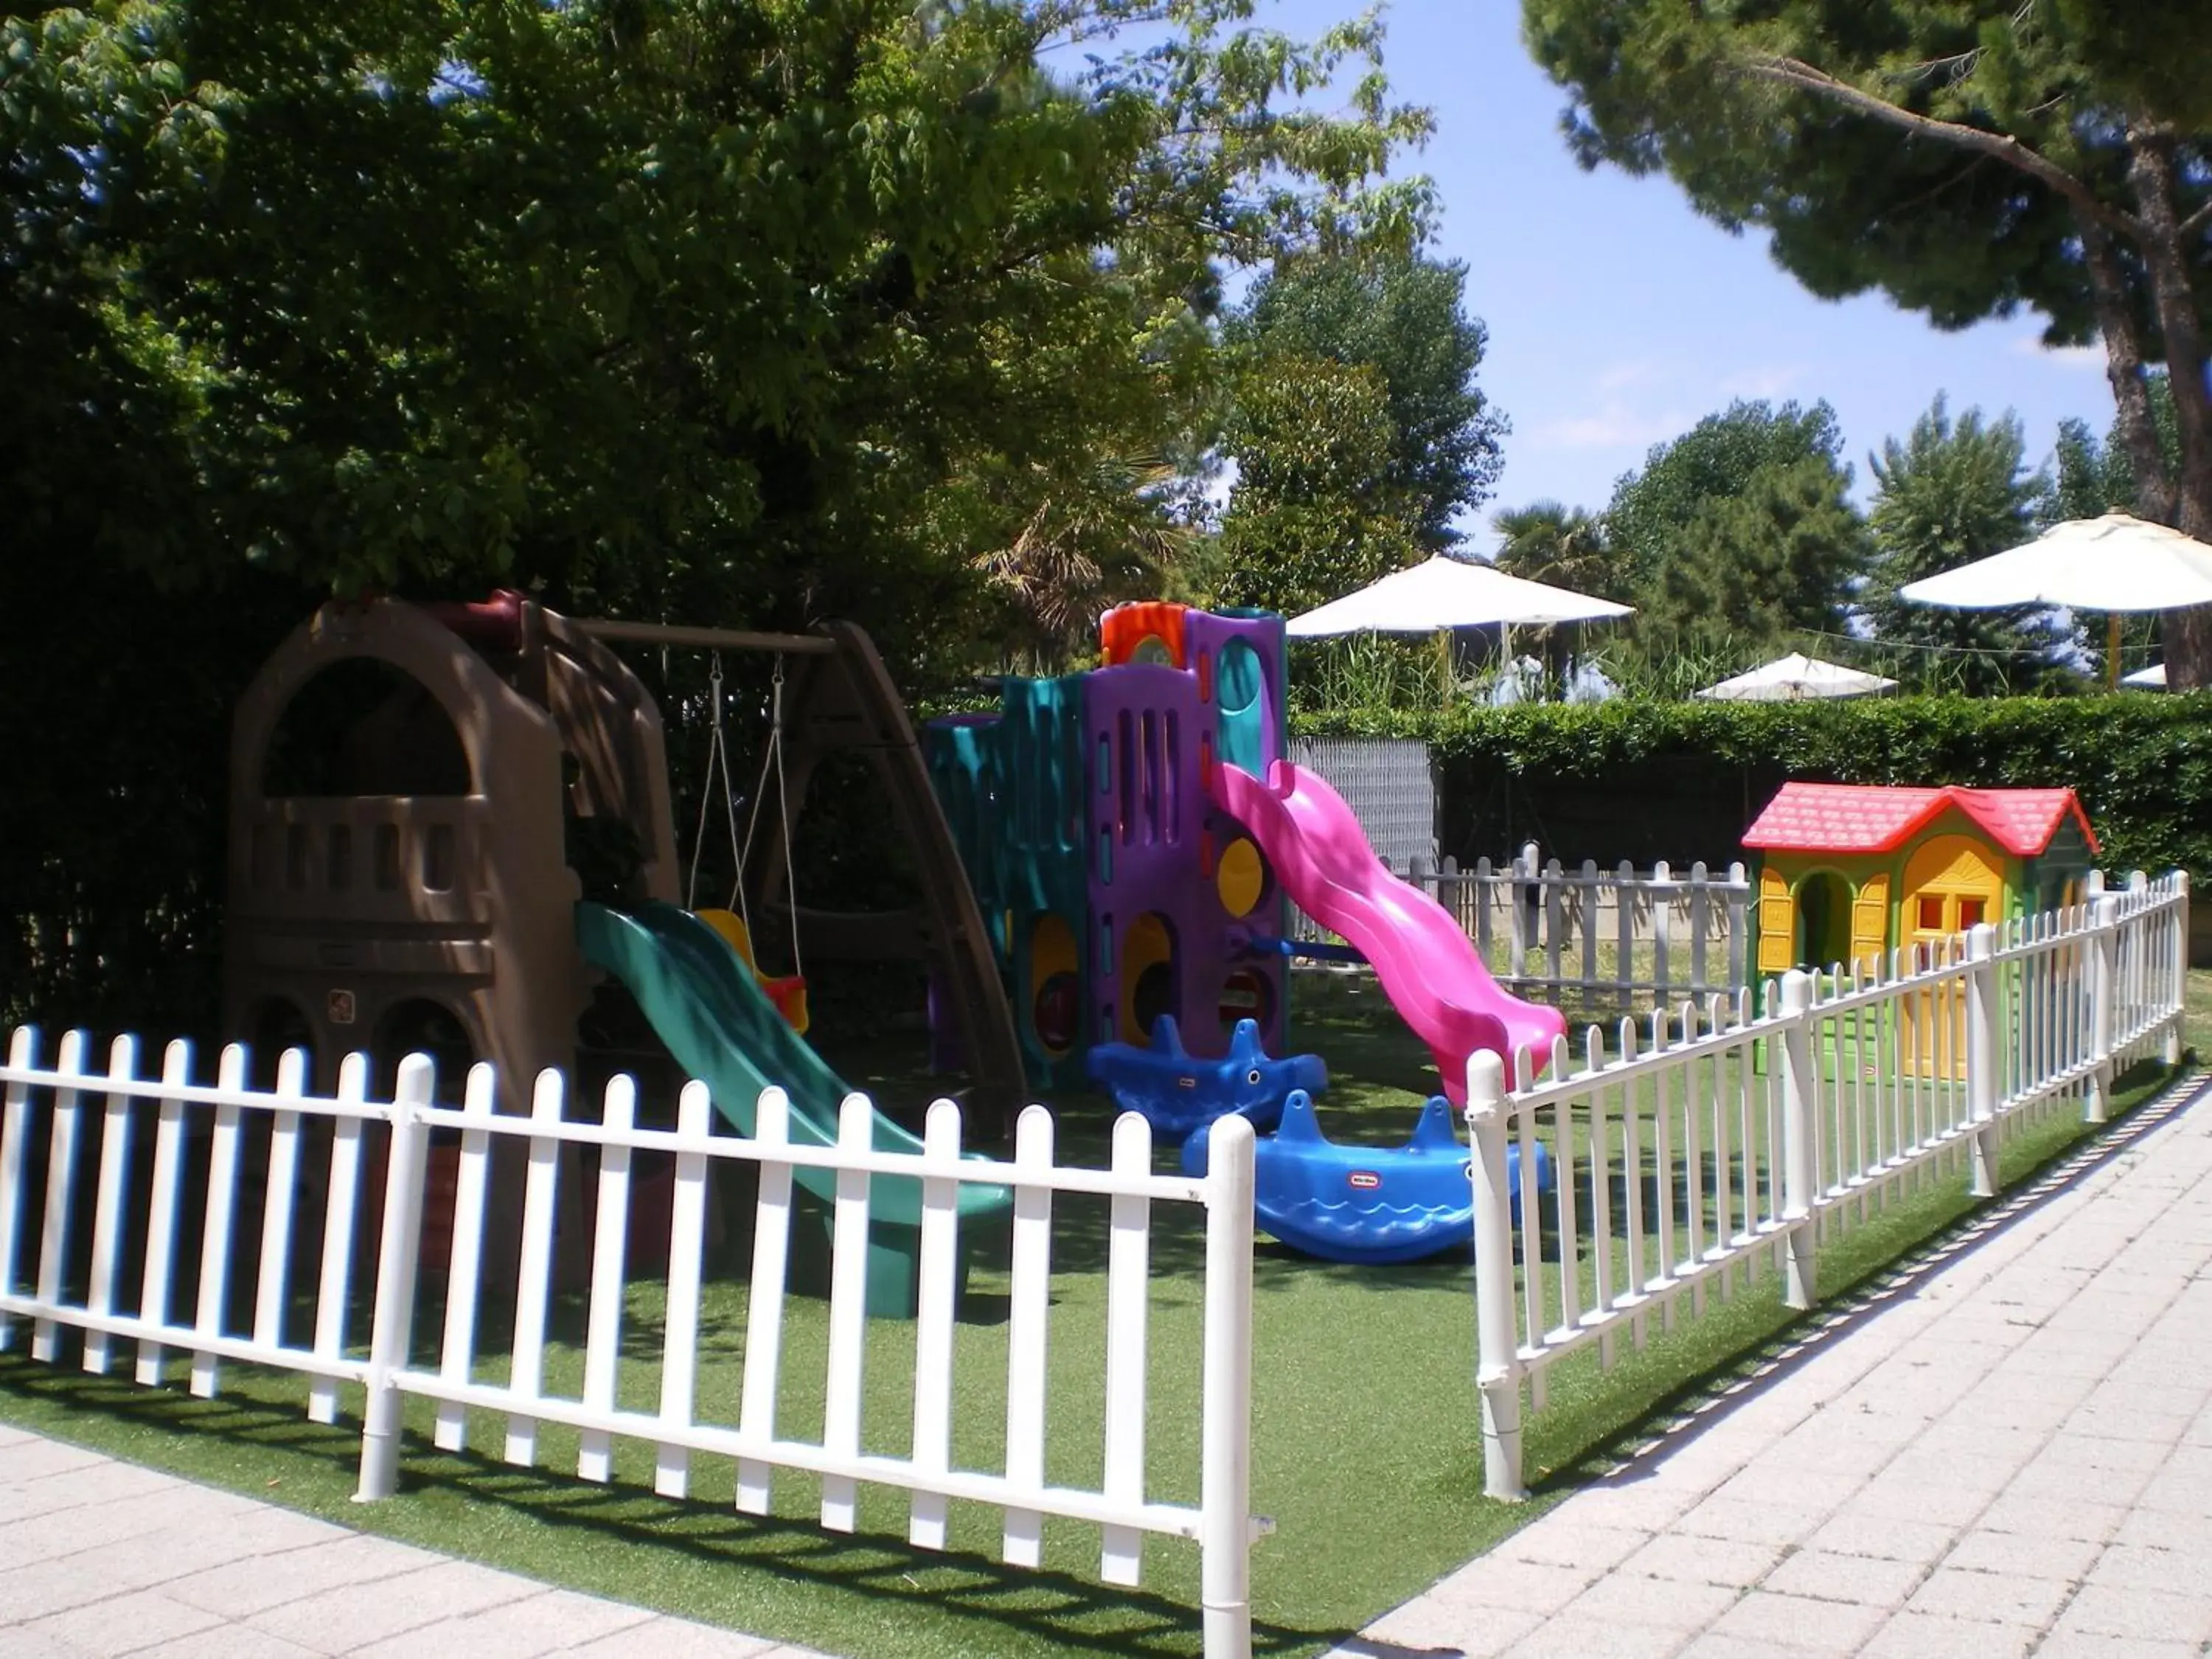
(1787, 679)
(1443, 592)
(2114, 563)
(1448, 592)
(2151, 679)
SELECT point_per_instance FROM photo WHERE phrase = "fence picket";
(1128, 1278)
(610, 1237)
(1031, 1299)
(464, 1263)
(687, 1244)
(764, 1299)
(848, 1315)
(339, 1218)
(276, 1202)
(534, 1272)
(161, 1208)
(107, 1207)
(216, 1230)
(14, 1138)
(933, 1334)
(61, 1183)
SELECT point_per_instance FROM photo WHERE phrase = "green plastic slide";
(705, 1005)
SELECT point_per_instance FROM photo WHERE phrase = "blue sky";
(1618, 318)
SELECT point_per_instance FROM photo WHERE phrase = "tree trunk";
(2124, 369)
(2188, 633)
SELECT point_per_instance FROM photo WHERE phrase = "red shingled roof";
(1859, 818)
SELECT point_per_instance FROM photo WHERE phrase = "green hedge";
(1681, 781)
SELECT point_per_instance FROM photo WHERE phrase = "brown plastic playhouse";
(430, 876)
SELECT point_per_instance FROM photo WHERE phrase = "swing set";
(733, 920)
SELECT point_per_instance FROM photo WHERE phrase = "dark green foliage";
(745, 312)
(1681, 780)
(1951, 493)
(1967, 158)
(1314, 512)
(1740, 527)
(1406, 318)
(2097, 476)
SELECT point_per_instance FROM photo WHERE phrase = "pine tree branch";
(1804, 77)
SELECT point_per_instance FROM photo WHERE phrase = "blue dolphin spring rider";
(1179, 1093)
(1373, 1206)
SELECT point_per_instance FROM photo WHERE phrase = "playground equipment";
(1113, 884)
(1133, 862)
(1177, 1092)
(1420, 954)
(425, 882)
(1371, 1206)
(1847, 872)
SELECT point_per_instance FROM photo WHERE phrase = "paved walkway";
(2012, 1457)
(100, 1557)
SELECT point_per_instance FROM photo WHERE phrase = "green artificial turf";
(1366, 1448)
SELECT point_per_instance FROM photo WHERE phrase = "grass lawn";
(1366, 1443)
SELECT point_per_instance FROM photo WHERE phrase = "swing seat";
(788, 991)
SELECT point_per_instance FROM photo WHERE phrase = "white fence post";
(1225, 1470)
(2178, 987)
(391, 1331)
(1498, 1334)
(1800, 1088)
(2104, 954)
(1984, 1044)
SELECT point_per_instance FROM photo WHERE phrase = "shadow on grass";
(464, 1502)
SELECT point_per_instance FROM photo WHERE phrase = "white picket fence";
(1720, 1140)
(69, 1276)
(1612, 934)
(1618, 936)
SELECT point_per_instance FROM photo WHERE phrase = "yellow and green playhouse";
(1847, 872)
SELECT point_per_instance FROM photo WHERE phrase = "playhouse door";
(1951, 884)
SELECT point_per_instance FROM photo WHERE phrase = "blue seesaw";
(1178, 1092)
(1372, 1206)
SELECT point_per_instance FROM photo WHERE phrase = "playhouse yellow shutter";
(1777, 925)
(1870, 923)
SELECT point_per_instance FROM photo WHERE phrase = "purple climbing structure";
(1173, 883)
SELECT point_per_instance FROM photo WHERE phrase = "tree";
(1565, 546)
(1406, 317)
(1953, 492)
(1549, 541)
(732, 311)
(1780, 555)
(1740, 527)
(1315, 511)
(2097, 476)
(1967, 159)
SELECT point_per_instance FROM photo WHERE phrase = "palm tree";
(1550, 541)
(1090, 542)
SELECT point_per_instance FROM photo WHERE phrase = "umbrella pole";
(2111, 650)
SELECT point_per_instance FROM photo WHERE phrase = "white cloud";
(1767, 380)
(1638, 371)
(1615, 425)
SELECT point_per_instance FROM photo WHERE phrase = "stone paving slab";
(2012, 1457)
(100, 1557)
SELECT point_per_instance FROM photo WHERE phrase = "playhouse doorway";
(1824, 920)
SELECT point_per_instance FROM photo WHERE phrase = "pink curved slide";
(1425, 960)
